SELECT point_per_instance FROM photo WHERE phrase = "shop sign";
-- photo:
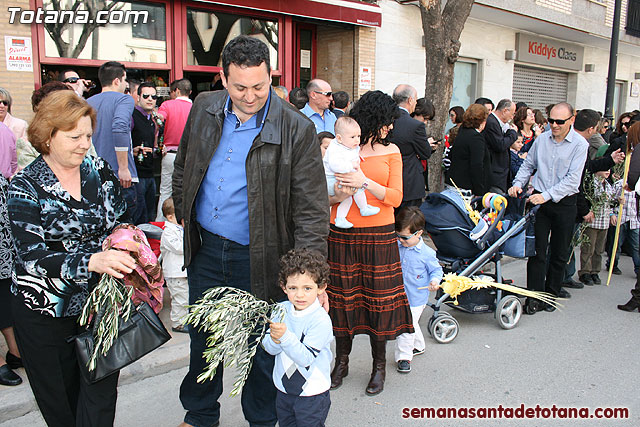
(18, 53)
(550, 52)
(365, 78)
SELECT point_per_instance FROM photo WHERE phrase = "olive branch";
(236, 322)
(598, 198)
(109, 301)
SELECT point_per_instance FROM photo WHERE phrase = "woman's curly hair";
(373, 111)
(301, 261)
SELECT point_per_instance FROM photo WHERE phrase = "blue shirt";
(559, 165)
(419, 268)
(113, 128)
(322, 124)
(222, 206)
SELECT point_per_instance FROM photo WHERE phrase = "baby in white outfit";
(343, 156)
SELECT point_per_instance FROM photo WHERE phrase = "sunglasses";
(407, 237)
(625, 124)
(558, 121)
(329, 93)
(146, 96)
(71, 80)
(126, 90)
(3, 102)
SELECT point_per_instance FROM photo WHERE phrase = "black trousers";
(302, 411)
(64, 398)
(553, 231)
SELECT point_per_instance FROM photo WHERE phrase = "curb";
(18, 401)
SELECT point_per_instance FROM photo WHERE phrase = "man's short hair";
(503, 104)
(298, 97)
(548, 109)
(402, 93)
(168, 208)
(340, 99)
(184, 86)
(109, 71)
(586, 119)
(312, 85)
(143, 85)
(484, 101)
(343, 123)
(245, 51)
(565, 105)
(61, 74)
(521, 104)
(134, 84)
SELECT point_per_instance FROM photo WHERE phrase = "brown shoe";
(631, 305)
(379, 353)
(341, 367)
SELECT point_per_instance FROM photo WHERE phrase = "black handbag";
(141, 334)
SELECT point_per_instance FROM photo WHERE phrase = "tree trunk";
(442, 28)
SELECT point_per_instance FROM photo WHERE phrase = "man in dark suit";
(340, 103)
(499, 135)
(410, 135)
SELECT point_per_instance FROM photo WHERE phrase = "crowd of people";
(299, 197)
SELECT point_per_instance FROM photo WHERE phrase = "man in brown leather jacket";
(248, 184)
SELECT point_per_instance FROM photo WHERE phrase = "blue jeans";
(632, 235)
(146, 192)
(222, 262)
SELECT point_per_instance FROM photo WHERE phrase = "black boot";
(341, 367)
(631, 305)
(379, 353)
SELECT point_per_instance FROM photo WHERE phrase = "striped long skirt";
(366, 291)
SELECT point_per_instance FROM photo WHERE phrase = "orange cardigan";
(386, 170)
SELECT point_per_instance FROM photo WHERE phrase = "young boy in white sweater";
(171, 247)
(301, 342)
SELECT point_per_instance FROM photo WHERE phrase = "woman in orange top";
(366, 293)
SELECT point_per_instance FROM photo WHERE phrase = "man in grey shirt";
(557, 157)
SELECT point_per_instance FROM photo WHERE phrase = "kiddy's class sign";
(550, 52)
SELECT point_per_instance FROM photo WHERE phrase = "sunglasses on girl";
(3, 102)
(146, 96)
(71, 80)
(407, 237)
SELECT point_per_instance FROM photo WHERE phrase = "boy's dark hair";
(340, 99)
(301, 261)
(168, 208)
(245, 51)
(144, 84)
(109, 71)
(410, 217)
(324, 134)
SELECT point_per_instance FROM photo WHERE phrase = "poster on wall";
(18, 53)
(635, 89)
(365, 78)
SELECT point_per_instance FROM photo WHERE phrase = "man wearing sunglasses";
(558, 157)
(74, 82)
(143, 138)
(317, 109)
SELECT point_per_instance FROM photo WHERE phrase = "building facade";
(164, 40)
(536, 51)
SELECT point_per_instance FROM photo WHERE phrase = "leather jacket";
(286, 189)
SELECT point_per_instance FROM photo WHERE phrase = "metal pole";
(613, 61)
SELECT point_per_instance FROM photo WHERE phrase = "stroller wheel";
(444, 329)
(435, 316)
(531, 306)
(508, 312)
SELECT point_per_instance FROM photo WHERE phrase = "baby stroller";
(464, 247)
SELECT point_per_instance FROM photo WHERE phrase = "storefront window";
(136, 32)
(208, 32)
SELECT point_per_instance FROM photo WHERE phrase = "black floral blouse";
(55, 234)
(6, 242)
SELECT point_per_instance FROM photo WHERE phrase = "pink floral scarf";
(146, 279)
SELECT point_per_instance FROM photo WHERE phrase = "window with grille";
(633, 18)
(538, 87)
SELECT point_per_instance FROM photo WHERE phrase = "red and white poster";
(18, 53)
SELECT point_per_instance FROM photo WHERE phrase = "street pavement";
(584, 355)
